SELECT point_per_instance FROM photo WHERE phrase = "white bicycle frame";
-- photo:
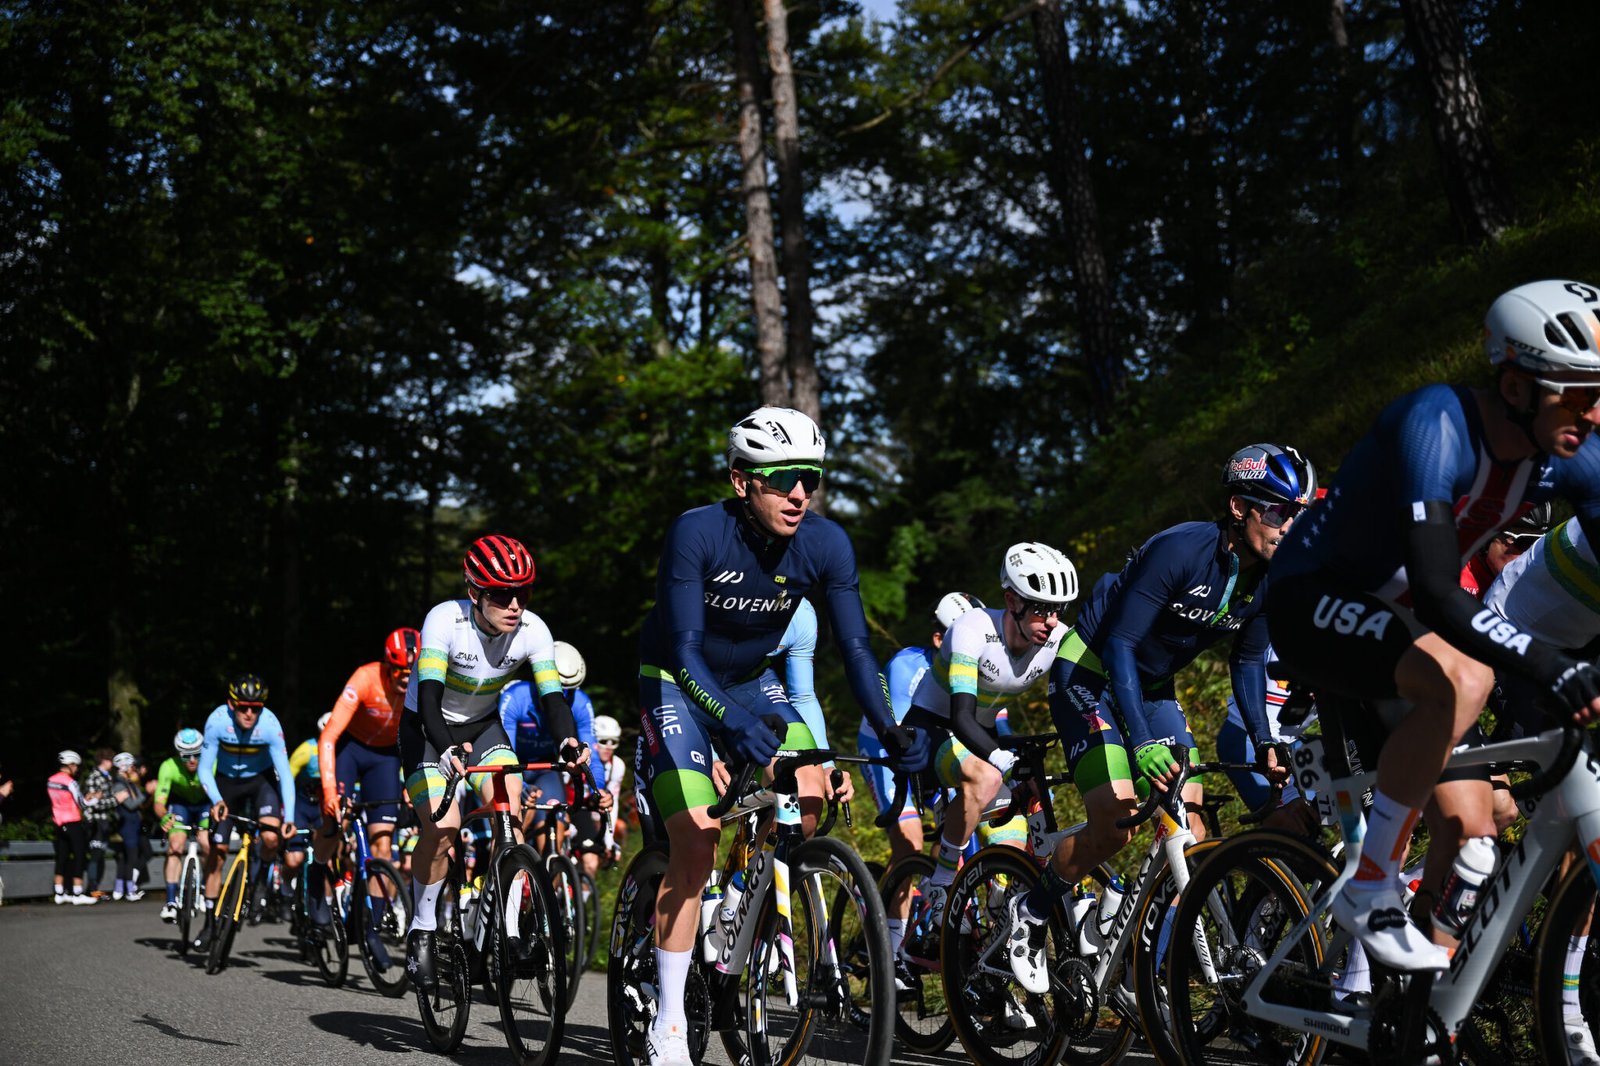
(1566, 814)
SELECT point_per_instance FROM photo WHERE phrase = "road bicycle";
(1262, 977)
(807, 938)
(191, 886)
(1090, 1015)
(577, 901)
(513, 924)
(234, 895)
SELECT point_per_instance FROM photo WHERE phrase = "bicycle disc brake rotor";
(1077, 998)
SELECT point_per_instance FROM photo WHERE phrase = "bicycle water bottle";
(1470, 873)
(710, 927)
(730, 898)
(1086, 920)
(1110, 904)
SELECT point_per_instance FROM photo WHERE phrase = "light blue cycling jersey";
(799, 650)
(230, 752)
(531, 739)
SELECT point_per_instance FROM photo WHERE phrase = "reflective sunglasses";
(241, 707)
(784, 478)
(608, 743)
(1040, 610)
(1520, 542)
(503, 597)
(1579, 399)
(1275, 515)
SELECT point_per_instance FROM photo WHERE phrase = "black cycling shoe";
(202, 939)
(317, 910)
(419, 960)
(377, 952)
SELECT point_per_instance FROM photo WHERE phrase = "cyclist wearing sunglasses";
(1366, 600)
(242, 739)
(470, 649)
(1112, 693)
(180, 798)
(1518, 537)
(731, 577)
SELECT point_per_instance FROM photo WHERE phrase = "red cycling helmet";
(402, 646)
(495, 562)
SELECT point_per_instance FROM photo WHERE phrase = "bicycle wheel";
(999, 1022)
(530, 944)
(330, 951)
(837, 1003)
(387, 910)
(231, 903)
(1153, 916)
(445, 1010)
(191, 898)
(922, 1021)
(1570, 914)
(567, 892)
(591, 919)
(1240, 907)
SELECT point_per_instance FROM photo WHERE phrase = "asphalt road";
(104, 983)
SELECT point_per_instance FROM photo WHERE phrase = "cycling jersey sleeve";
(1247, 669)
(547, 681)
(278, 748)
(799, 672)
(1129, 618)
(681, 601)
(842, 587)
(344, 709)
(430, 705)
(300, 758)
(1443, 605)
(166, 777)
(966, 642)
(208, 760)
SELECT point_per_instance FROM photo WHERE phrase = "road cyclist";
(731, 576)
(242, 740)
(180, 800)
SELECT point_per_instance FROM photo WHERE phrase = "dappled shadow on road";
(400, 1034)
(168, 944)
(166, 1029)
(586, 1041)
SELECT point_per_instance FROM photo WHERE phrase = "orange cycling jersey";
(366, 711)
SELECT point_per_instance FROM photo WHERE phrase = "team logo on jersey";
(729, 577)
(1348, 616)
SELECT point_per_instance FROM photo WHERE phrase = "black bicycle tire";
(226, 919)
(450, 960)
(549, 952)
(1149, 989)
(1282, 863)
(594, 920)
(561, 869)
(916, 863)
(392, 987)
(1574, 896)
(190, 891)
(832, 856)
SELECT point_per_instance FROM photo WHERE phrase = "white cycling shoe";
(1378, 919)
(169, 913)
(1017, 1018)
(667, 1045)
(1025, 947)
(1580, 1044)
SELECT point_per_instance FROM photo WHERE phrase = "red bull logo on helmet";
(1247, 469)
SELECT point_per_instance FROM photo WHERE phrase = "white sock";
(1573, 972)
(1389, 826)
(425, 905)
(945, 863)
(672, 972)
(897, 936)
(61, 890)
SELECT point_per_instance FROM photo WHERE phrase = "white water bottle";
(1110, 904)
(1471, 871)
(1086, 921)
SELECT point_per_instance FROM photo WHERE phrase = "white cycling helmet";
(1038, 572)
(570, 665)
(606, 728)
(322, 723)
(187, 741)
(770, 436)
(1546, 327)
(123, 760)
(953, 605)
(69, 757)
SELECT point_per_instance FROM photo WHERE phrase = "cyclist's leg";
(905, 835)
(431, 861)
(269, 811)
(676, 779)
(380, 783)
(1098, 760)
(1234, 745)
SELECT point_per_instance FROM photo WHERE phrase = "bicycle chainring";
(1388, 1021)
(1077, 998)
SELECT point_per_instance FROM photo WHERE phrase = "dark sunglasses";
(1040, 610)
(240, 707)
(503, 597)
(1520, 542)
(784, 478)
(608, 743)
(1579, 399)
(1274, 514)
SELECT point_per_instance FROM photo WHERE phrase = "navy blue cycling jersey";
(1179, 594)
(725, 593)
(1428, 446)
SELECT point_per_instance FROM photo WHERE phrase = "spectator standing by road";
(129, 794)
(72, 835)
(100, 809)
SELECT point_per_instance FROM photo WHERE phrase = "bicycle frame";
(1568, 813)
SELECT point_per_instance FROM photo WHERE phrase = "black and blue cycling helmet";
(1270, 473)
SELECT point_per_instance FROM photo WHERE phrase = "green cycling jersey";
(176, 784)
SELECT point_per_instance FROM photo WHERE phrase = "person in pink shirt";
(72, 833)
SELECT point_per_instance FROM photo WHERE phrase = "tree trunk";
(770, 357)
(1069, 176)
(122, 691)
(1478, 198)
(806, 391)
(287, 687)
